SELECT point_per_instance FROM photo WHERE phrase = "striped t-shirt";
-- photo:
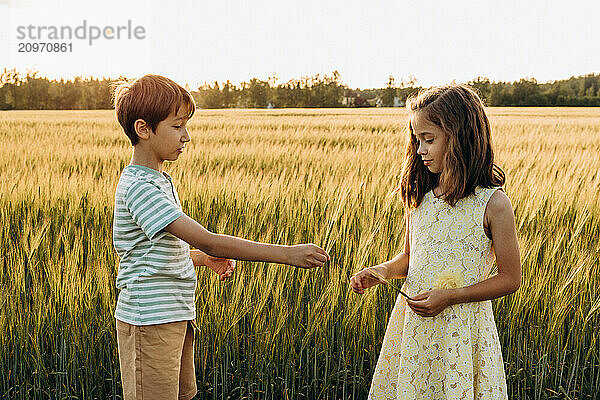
(156, 273)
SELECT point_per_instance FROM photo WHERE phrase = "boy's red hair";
(151, 98)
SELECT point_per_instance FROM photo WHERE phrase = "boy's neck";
(146, 160)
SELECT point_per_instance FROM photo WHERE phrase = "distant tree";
(482, 86)
(38, 97)
(389, 93)
(407, 88)
(257, 93)
(325, 91)
(525, 92)
(71, 94)
(228, 95)
(209, 96)
(10, 81)
(282, 95)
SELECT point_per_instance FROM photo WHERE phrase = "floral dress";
(456, 354)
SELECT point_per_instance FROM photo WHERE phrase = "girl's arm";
(504, 240)
(397, 267)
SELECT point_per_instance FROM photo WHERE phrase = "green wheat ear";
(381, 278)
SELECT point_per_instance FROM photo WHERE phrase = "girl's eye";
(429, 141)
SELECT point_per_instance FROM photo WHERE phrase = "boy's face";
(170, 136)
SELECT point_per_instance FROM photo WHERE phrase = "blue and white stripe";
(156, 273)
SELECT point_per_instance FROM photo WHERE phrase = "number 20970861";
(45, 47)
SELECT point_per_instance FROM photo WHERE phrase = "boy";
(155, 310)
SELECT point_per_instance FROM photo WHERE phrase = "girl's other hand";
(222, 266)
(366, 279)
(431, 303)
(307, 256)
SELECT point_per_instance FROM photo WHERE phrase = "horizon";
(39, 74)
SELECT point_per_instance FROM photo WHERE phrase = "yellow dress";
(456, 354)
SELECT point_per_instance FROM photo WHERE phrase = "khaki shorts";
(157, 361)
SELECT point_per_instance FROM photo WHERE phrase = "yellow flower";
(449, 280)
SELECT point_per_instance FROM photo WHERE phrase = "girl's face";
(431, 141)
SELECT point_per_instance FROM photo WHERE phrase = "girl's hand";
(366, 279)
(306, 256)
(431, 303)
(222, 266)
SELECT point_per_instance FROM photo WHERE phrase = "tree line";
(575, 91)
(30, 91)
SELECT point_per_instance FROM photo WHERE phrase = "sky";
(194, 42)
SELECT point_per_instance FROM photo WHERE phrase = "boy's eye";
(177, 126)
(429, 141)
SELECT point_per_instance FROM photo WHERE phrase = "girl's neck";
(438, 191)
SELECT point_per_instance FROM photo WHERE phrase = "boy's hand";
(431, 303)
(222, 266)
(307, 256)
(366, 278)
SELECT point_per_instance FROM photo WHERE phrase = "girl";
(443, 343)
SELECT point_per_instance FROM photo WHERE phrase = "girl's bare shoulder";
(498, 208)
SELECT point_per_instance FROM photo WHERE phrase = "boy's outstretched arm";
(190, 231)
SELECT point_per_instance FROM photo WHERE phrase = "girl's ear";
(142, 129)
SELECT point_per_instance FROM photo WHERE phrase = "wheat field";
(286, 176)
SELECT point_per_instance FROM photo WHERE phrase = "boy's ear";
(142, 129)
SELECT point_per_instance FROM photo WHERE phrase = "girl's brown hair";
(469, 158)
